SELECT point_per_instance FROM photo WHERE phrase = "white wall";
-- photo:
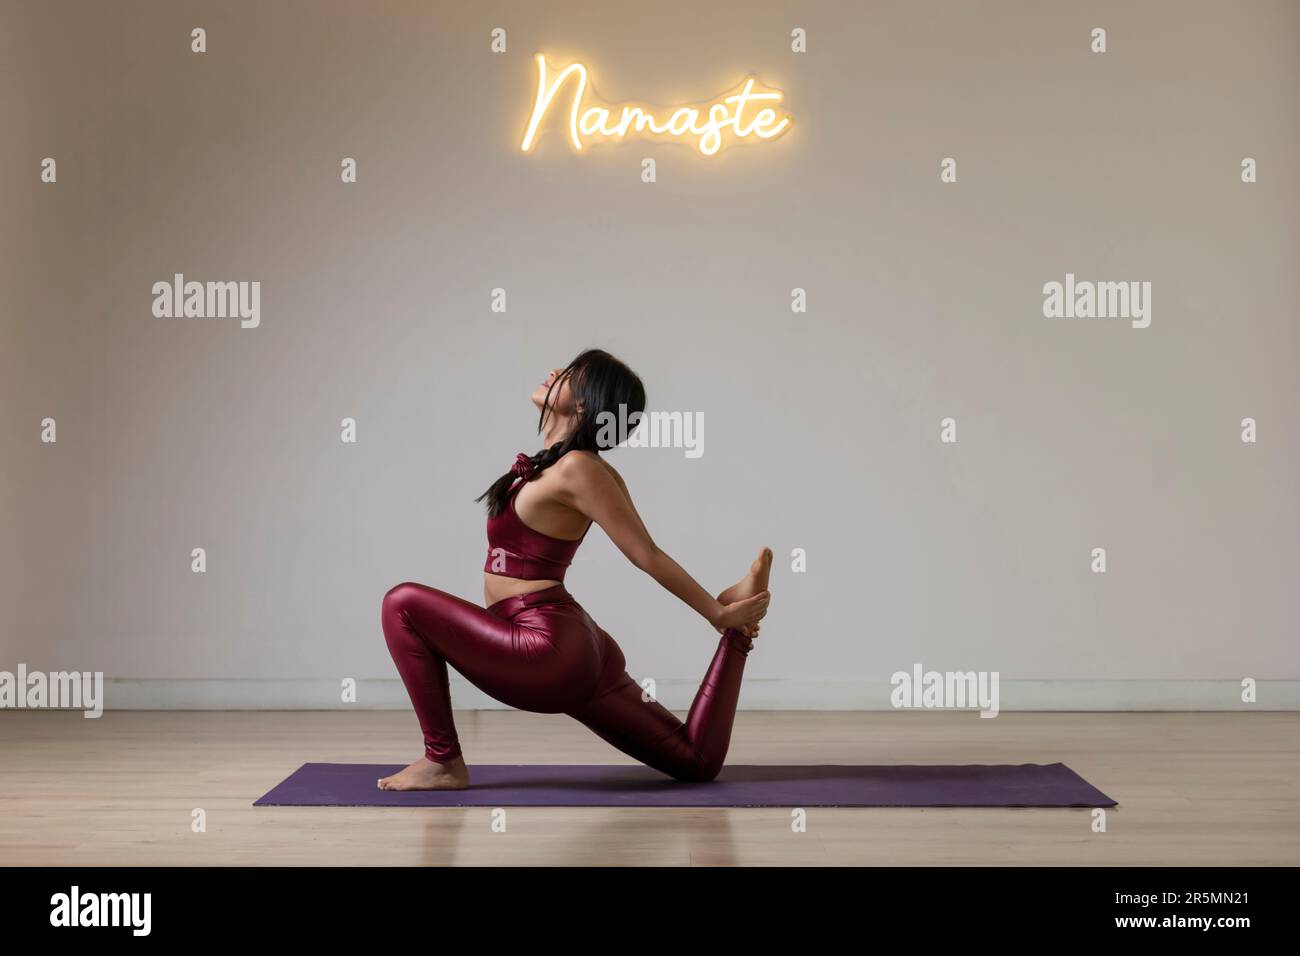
(822, 429)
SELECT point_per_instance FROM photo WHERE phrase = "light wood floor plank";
(1195, 789)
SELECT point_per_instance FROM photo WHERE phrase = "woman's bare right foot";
(424, 774)
(755, 582)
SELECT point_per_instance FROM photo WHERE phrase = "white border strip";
(756, 694)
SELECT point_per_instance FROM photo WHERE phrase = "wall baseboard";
(757, 694)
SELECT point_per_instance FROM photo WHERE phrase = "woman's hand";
(743, 615)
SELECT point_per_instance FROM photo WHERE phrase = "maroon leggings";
(541, 652)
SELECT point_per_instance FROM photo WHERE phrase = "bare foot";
(753, 582)
(424, 774)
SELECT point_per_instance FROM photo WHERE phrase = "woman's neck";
(557, 429)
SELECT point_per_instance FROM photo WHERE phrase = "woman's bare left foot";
(752, 583)
(424, 774)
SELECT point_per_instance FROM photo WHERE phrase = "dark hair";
(598, 383)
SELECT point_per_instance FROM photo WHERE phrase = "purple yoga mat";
(572, 785)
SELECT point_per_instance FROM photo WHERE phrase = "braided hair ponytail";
(601, 385)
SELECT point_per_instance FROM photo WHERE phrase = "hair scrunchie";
(524, 467)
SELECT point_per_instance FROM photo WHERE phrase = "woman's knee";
(400, 595)
(698, 774)
(396, 602)
(695, 768)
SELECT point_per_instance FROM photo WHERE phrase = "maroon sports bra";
(517, 551)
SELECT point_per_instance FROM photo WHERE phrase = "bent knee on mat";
(693, 767)
(697, 772)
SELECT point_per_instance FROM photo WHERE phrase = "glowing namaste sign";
(707, 122)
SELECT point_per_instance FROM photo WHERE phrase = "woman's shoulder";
(581, 462)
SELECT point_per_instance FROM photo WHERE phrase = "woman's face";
(561, 395)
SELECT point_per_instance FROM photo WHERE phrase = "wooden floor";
(1212, 789)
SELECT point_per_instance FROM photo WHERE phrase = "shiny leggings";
(541, 652)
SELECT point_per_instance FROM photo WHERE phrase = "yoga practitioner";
(533, 647)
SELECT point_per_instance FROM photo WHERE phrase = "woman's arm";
(594, 489)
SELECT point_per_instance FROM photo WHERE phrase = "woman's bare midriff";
(498, 587)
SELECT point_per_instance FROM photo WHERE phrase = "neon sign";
(725, 119)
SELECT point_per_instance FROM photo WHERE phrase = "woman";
(533, 646)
